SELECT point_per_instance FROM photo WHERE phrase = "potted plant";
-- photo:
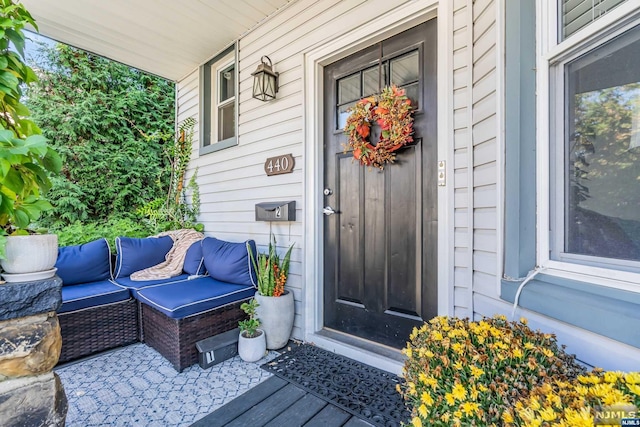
(276, 307)
(25, 159)
(251, 343)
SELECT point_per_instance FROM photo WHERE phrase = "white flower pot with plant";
(25, 161)
(252, 345)
(276, 308)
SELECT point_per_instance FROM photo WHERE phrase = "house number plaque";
(279, 165)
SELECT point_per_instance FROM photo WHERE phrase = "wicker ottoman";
(175, 339)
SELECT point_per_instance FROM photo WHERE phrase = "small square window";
(219, 111)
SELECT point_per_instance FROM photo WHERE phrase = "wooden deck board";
(232, 410)
(300, 412)
(274, 403)
(269, 408)
(329, 416)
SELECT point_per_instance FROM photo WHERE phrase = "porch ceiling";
(165, 37)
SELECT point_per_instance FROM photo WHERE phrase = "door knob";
(328, 210)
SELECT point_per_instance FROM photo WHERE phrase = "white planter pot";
(252, 349)
(30, 254)
(276, 316)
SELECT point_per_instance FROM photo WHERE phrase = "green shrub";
(78, 233)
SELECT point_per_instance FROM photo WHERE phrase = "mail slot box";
(276, 211)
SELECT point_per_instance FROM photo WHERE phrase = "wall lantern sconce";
(265, 81)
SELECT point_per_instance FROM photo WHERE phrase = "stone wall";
(31, 394)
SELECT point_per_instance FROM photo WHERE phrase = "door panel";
(380, 256)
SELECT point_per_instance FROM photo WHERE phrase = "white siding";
(461, 154)
(232, 181)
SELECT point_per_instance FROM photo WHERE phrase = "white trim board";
(402, 18)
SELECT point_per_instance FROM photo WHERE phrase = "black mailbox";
(276, 211)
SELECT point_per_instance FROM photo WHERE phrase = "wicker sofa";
(104, 308)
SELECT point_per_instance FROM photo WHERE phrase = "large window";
(595, 143)
(219, 103)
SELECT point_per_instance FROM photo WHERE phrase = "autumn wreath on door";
(392, 111)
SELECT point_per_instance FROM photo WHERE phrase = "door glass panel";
(349, 89)
(370, 78)
(405, 69)
(343, 114)
(413, 93)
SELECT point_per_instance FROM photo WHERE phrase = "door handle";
(328, 210)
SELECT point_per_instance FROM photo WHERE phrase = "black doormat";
(364, 391)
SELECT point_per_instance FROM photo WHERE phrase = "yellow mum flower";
(450, 399)
(634, 388)
(588, 379)
(458, 365)
(436, 336)
(414, 333)
(474, 393)
(445, 417)
(581, 418)
(507, 417)
(517, 353)
(632, 377)
(457, 415)
(431, 382)
(408, 352)
(458, 348)
(616, 397)
(459, 392)
(423, 411)
(547, 352)
(529, 346)
(524, 320)
(548, 414)
(476, 372)
(426, 398)
(470, 408)
(412, 388)
(582, 390)
(612, 376)
(416, 422)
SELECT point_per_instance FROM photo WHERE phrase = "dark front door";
(380, 245)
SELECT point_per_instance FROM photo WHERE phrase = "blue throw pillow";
(193, 261)
(138, 254)
(90, 262)
(229, 262)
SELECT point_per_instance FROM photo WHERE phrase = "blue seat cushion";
(229, 262)
(85, 295)
(184, 299)
(90, 262)
(137, 254)
(135, 285)
(193, 260)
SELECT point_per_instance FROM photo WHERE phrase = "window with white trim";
(219, 102)
(594, 128)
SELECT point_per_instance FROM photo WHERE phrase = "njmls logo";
(622, 415)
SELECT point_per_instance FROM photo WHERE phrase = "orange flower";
(363, 130)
